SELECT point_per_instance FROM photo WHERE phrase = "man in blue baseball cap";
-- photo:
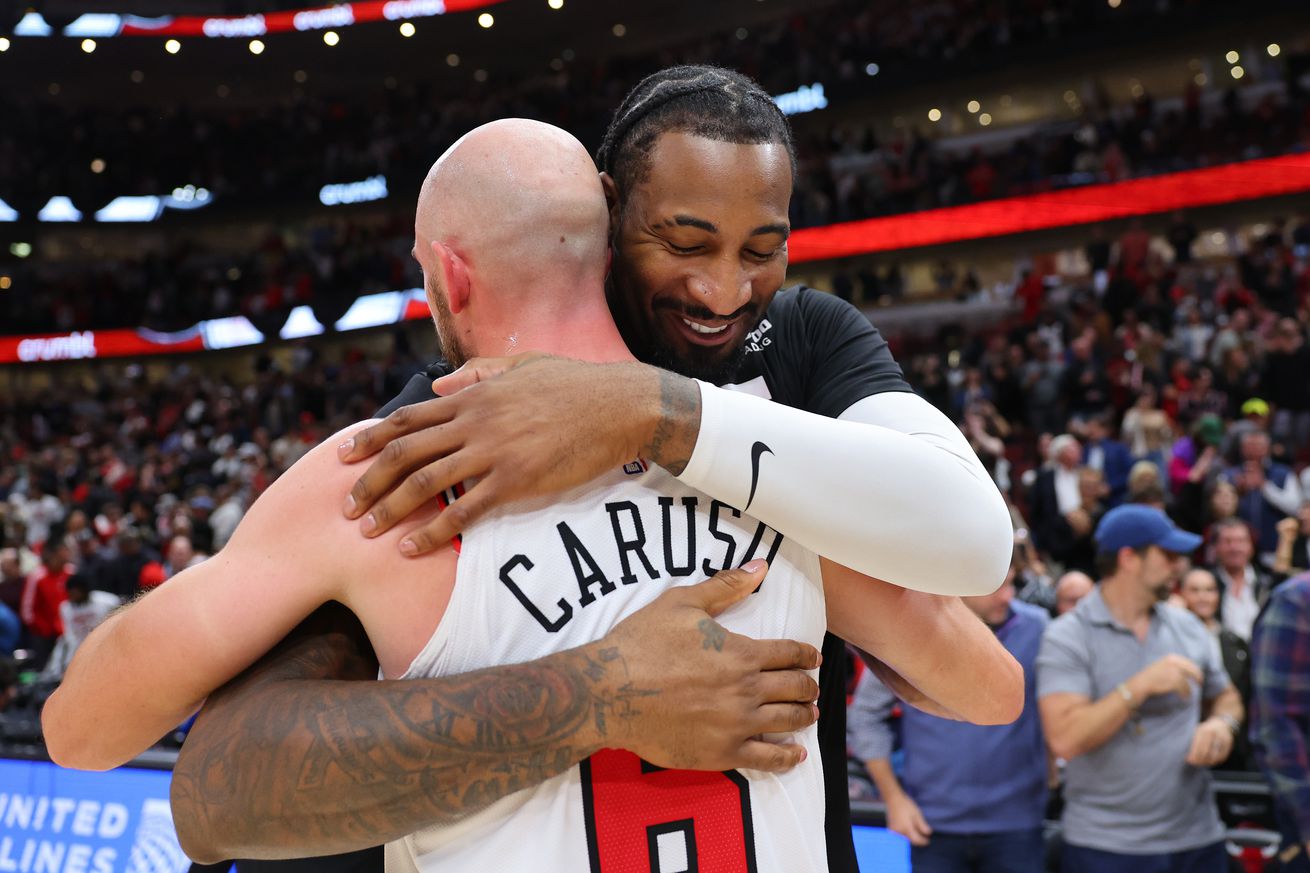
(1133, 695)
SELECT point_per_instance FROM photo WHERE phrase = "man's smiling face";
(700, 248)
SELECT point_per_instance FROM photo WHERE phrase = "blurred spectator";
(11, 630)
(80, 613)
(1243, 587)
(1194, 468)
(1108, 456)
(1134, 246)
(1285, 384)
(1200, 595)
(1200, 396)
(1055, 494)
(1136, 738)
(181, 554)
(8, 683)
(1147, 429)
(1181, 234)
(1267, 491)
(1293, 553)
(1145, 486)
(228, 514)
(38, 511)
(42, 596)
(90, 559)
(1072, 588)
(979, 812)
(1280, 713)
(1083, 383)
(1192, 337)
(1032, 581)
(1041, 377)
(987, 432)
(1255, 419)
(12, 580)
(122, 575)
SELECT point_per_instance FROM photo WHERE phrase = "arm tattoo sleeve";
(282, 763)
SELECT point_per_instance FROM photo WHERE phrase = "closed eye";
(684, 250)
(762, 256)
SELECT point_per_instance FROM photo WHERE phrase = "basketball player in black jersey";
(697, 292)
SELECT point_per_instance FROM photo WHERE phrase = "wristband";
(1231, 723)
(1127, 696)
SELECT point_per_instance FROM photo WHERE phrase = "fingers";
(418, 489)
(784, 655)
(919, 830)
(905, 818)
(786, 686)
(405, 420)
(1209, 747)
(480, 370)
(453, 520)
(473, 372)
(726, 587)
(780, 718)
(1191, 670)
(769, 757)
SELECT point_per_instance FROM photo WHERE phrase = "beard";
(717, 369)
(447, 336)
(1163, 590)
(650, 347)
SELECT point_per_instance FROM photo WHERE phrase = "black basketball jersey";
(816, 352)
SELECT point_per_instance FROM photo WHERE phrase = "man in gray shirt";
(1133, 694)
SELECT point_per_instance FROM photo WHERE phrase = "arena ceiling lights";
(121, 209)
(103, 25)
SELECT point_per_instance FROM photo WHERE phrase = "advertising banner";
(54, 820)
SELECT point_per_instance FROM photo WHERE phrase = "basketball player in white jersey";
(534, 578)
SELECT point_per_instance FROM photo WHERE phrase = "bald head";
(1071, 588)
(520, 204)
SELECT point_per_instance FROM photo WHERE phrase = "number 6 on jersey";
(644, 819)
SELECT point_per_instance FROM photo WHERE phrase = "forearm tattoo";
(675, 434)
(282, 763)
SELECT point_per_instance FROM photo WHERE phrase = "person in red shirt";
(43, 593)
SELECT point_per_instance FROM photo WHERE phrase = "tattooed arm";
(281, 764)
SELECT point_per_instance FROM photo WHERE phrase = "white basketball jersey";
(548, 575)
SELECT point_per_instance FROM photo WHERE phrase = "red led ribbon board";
(1230, 183)
(88, 344)
(290, 21)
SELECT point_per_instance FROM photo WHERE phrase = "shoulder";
(813, 310)
(1293, 595)
(1183, 621)
(307, 498)
(1068, 630)
(820, 353)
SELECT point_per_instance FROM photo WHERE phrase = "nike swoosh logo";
(757, 451)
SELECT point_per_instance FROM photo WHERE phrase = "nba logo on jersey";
(635, 468)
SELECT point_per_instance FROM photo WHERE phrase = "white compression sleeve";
(891, 489)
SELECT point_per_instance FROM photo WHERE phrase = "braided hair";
(703, 100)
